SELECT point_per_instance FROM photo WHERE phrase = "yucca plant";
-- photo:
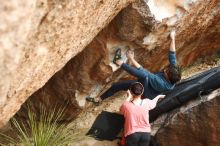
(42, 130)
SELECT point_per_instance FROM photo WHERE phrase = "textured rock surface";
(195, 26)
(15, 24)
(90, 72)
(61, 29)
(40, 37)
(197, 123)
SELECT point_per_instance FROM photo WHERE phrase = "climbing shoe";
(93, 100)
(117, 55)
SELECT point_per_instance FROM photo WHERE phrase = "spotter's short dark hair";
(137, 88)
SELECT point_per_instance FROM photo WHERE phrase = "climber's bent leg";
(124, 85)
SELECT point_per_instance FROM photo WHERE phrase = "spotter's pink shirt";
(137, 116)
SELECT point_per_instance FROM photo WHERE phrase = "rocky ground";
(201, 64)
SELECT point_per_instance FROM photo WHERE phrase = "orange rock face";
(90, 72)
(39, 37)
(68, 54)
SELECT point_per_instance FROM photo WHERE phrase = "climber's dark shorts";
(138, 139)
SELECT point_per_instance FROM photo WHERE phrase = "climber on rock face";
(154, 83)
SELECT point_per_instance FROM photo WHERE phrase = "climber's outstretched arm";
(172, 52)
(172, 44)
(130, 55)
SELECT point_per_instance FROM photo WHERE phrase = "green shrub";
(42, 130)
